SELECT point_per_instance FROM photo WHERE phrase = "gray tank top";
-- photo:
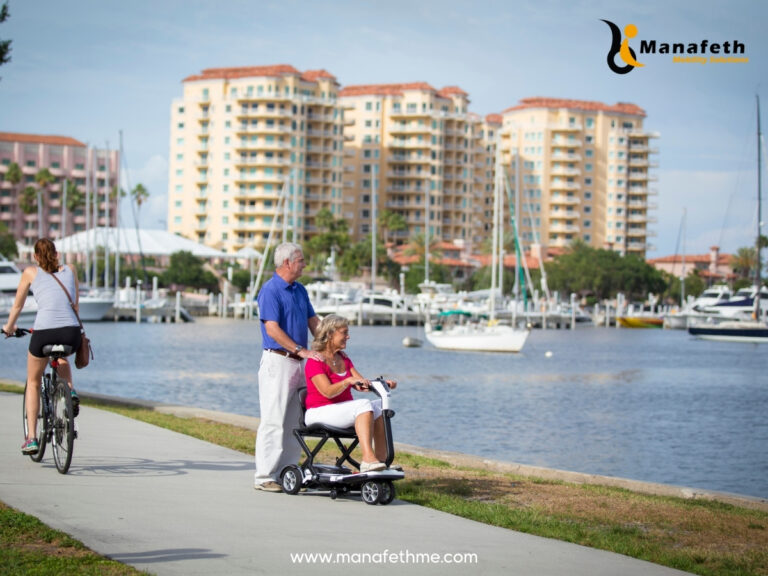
(53, 308)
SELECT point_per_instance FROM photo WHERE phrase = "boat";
(95, 305)
(641, 321)
(740, 304)
(744, 321)
(379, 307)
(695, 311)
(10, 276)
(466, 333)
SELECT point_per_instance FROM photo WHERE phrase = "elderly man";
(286, 315)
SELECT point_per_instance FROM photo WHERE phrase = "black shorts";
(69, 335)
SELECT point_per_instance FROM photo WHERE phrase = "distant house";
(713, 267)
(461, 264)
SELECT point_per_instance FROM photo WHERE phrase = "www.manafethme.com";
(384, 557)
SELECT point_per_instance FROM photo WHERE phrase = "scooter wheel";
(370, 492)
(291, 479)
(386, 492)
(334, 494)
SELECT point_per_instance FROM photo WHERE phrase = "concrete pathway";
(169, 504)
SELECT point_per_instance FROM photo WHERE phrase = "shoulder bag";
(84, 353)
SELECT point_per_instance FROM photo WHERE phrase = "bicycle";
(55, 414)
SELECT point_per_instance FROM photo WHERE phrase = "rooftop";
(539, 102)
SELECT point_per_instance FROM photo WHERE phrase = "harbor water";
(651, 405)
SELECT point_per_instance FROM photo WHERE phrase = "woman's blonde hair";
(326, 328)
(45, 250)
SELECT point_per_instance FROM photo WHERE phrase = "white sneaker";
(372, 466)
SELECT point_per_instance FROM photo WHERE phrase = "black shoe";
(75, 403)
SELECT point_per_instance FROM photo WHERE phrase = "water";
(650, 405)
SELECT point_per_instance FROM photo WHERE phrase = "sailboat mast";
(759, 215)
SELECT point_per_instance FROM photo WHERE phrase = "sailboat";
(752, 329)
(489, 336)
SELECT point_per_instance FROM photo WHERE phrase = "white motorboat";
(372, 307)
(95, 305)
(10, 276)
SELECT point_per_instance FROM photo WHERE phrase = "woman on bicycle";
(55, 323)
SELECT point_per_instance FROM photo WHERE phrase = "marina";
(651, 405)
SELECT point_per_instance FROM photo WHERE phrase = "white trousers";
(343, 414)
(280, 412)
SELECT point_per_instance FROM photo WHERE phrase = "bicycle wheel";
(63, 439)
(40, 432)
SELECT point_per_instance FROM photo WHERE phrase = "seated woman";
(329, 396)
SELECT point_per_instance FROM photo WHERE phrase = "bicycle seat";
(57, 350)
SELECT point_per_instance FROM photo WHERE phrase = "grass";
(699, 536)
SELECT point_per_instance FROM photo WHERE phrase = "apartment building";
(77, 171)
(242, 138)
(583, 171)
(416, 151)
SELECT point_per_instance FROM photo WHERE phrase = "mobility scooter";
(374, 487)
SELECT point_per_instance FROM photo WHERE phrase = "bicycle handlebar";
(20, 333)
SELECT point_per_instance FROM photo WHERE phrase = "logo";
(622, 48)
(729, 51)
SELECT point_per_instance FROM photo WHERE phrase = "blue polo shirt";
(289, 306)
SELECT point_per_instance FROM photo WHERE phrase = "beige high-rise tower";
(421, 153)
(582, 171)
(239, 137)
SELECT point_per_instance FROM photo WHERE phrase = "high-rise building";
(582, 171)
(418, 152)
(239, 137)
(77, 173)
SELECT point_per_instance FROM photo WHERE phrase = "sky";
(96, 69)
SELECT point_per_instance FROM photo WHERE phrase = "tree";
(43, 179)
(186, 269)
(139, 194)
(7, 243)
(743, 262)
(416, 243)
(75, 197)
(334, 233)
(28, 200)
(390, 222)
(5, 45)
(603, 274)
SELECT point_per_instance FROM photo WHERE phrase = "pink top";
(315, 367)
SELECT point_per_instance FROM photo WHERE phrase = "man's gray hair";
(286, 251)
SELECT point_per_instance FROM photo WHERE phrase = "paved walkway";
(169, 504)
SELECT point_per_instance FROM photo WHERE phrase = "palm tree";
(139, 195)
(28, 200)
(416, 247)
(391, 222)
(14, 175)
(743, 262)
(75, 196)
(43, 178)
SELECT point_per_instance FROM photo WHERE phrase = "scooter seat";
(322, 428)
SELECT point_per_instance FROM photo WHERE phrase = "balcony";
(565, 171)
(566, 127)
(567, 200)
(557, 155)
(565, 143)
(410, 129)
(563, 185)
(563, 228)
(263, 112)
